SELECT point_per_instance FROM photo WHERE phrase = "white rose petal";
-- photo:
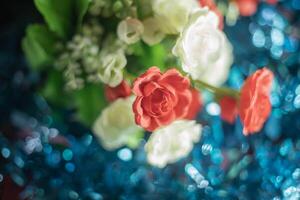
(173, 14)
(152, 31)
(173, 142)
(204, 50)
(130, 30)
(115, 127)
(111, 67)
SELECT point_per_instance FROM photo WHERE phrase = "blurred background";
(45, 153)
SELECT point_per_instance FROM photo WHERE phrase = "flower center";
(161, 103)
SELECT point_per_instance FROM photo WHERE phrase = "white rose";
(204, 50)
(130, 30)
(173, 14)
(111, 67)
(115, 127)
(152, 31)
(173, 142)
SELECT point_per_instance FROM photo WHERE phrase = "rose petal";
(174, 79)
(184, 101)
(152, 74)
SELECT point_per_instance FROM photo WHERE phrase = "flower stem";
(219, 91)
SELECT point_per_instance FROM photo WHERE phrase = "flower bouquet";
(130, 67)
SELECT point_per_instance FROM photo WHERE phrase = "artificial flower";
(115, 127)
(173, 142)
(130, 30)
(160, 98)
(229, 108)
(152, 31)
(255, 105)
(213, 7)
(173, 14)
(120, 91)
(247, 7)
(111, 67)
(195, 106)
(204, 50)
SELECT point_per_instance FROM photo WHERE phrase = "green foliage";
(57, 14)
(89, 102)
(38, 45)
(145, 56)
(60, 16)
(81, 7)
(63, 17)
(53, 90)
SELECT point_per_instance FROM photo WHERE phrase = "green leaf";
(63, 16)
(81, 7)
(144, 56)
(38, 46)
(89, 101)
(53, 90)
(58, 15)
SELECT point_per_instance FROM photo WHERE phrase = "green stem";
(218, 91)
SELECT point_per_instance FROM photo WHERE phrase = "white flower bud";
(111, 67)
(130, 30)
(152, 31)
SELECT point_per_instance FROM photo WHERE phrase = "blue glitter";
(67, 154)
(213, 109)
(277, 37)
(70, 167)
(5, 152)
(258, 38)
(125, 154)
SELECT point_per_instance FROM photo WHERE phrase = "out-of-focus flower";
(173, 142)
(152, 31)
(195, 106)
(130, 30)
(115, 127)
(111, 67)
(204, 50)
(229, 108)
(120, 91)
(212, 6)
(247, 7)
(79, 60)
(255, 105)
(173, 14)
(272, 1)
(161, 98)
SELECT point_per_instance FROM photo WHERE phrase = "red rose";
(121, 91)
(212, 6)
(195, 106)
(229, 108)
(255, 105)
(247, 7)
(161, 98)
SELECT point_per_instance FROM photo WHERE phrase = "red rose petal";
(255, 105)
(195, 106)
(152, 74)
(229, 109)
